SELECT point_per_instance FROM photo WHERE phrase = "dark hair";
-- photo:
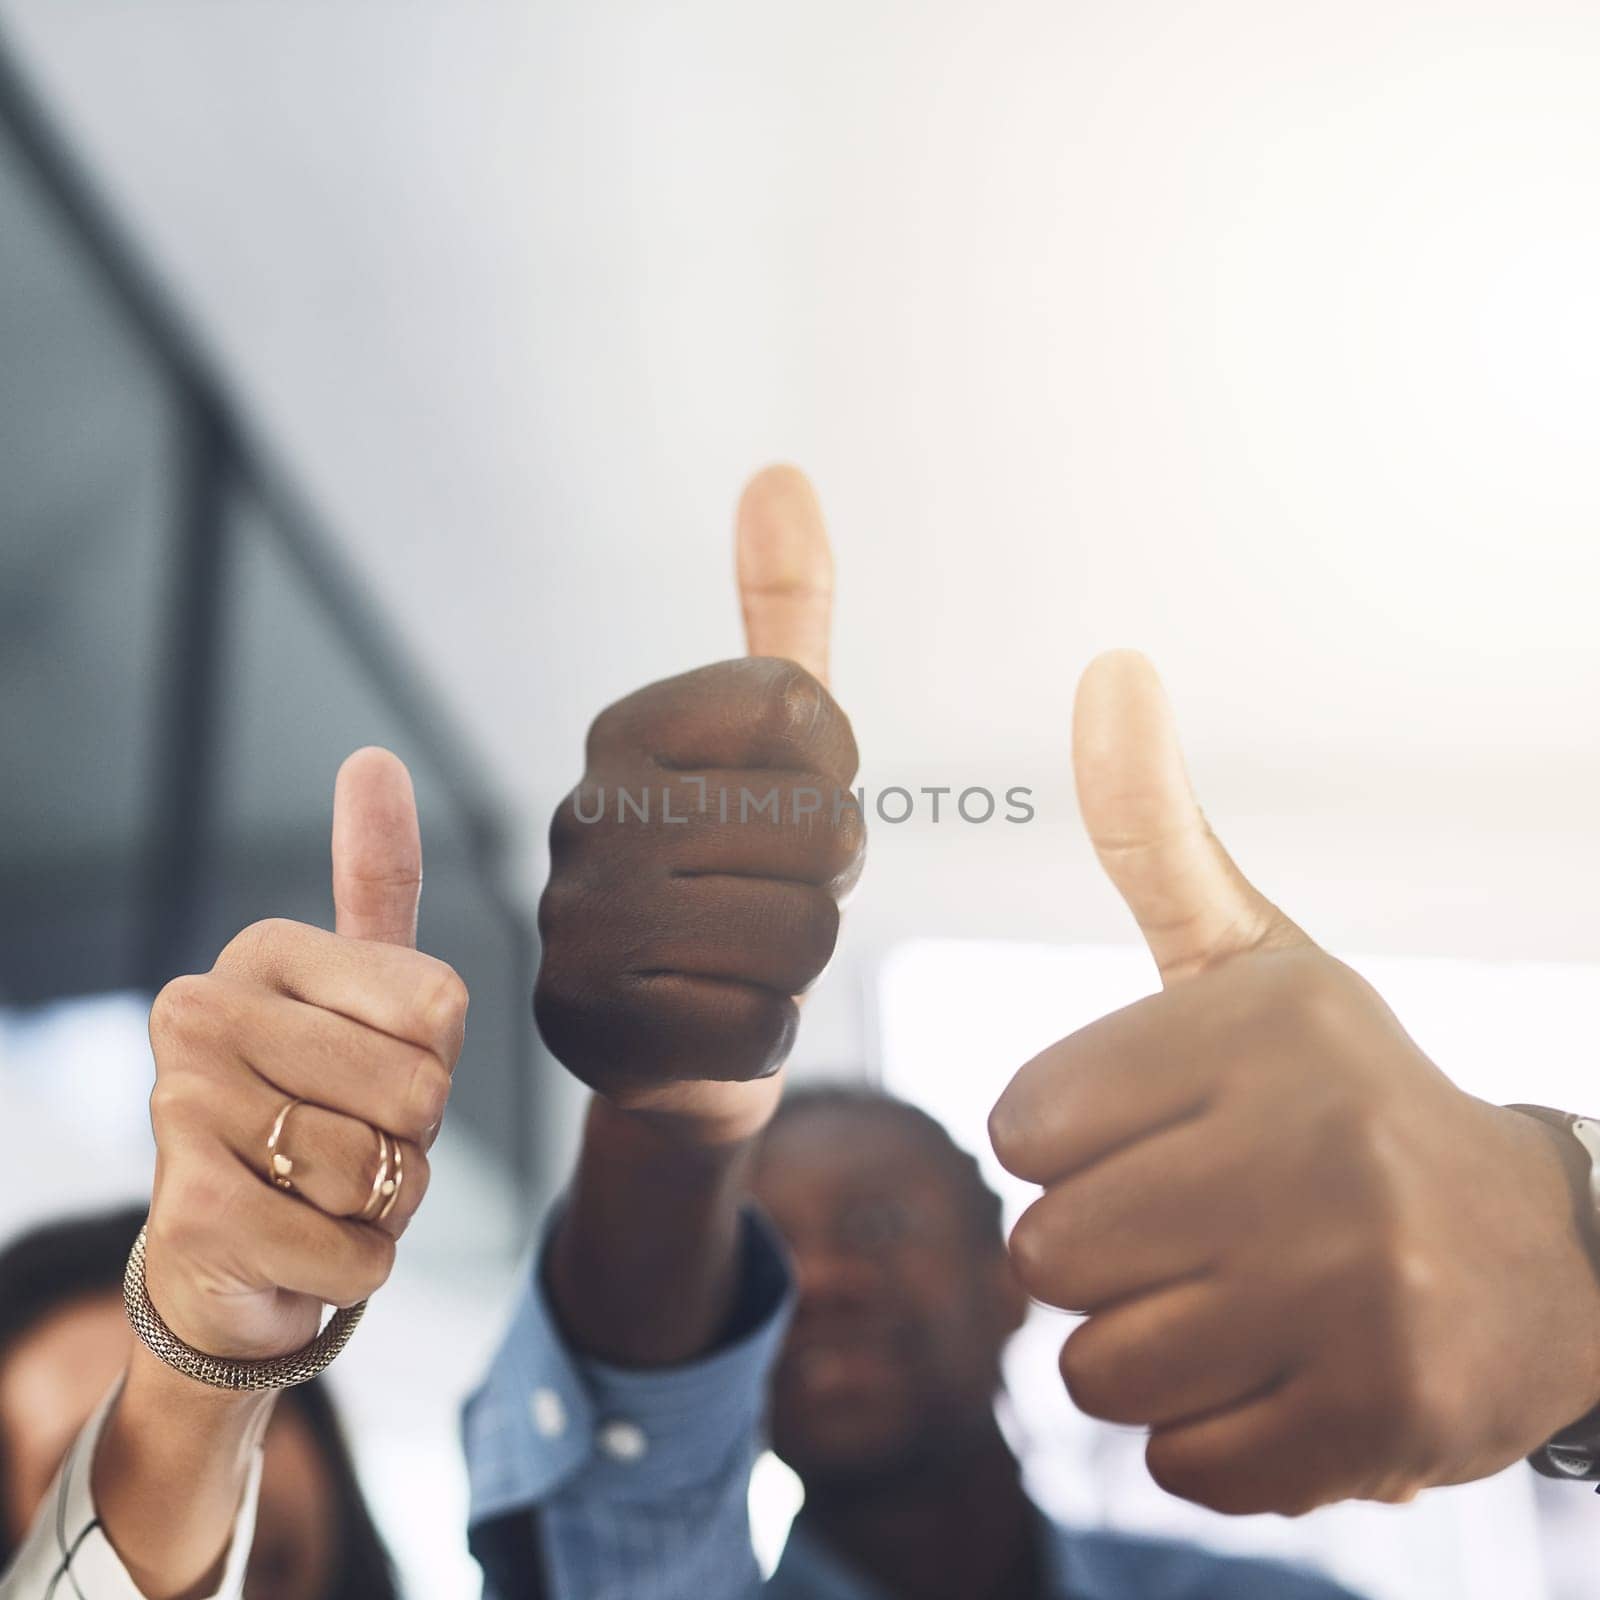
(979, 1204)
(82, 1258)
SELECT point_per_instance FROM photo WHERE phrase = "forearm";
(643, 1264)
(168, 1477)
(674, 948)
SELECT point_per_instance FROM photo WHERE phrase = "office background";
(1264, 336)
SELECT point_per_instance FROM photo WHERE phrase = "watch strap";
(1574, 1453)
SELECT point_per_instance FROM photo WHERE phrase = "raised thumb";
(1193, 905)
(785, 569)
(377, 850)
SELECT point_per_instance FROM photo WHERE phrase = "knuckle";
(1006, 1135)
(1086, 1376)
(176, 1104)
(253, 947)
(1376, 1210)
(610, 726)
(791, 703)
(170, 1227)
(427, 1093)
(180, 1010)
(850, 758)
(556, 905)
(818, 934)
(1315, 993)
(193, 1205)
(374, 1262)
(1177, 1470)
(1290, 1503)
(1206, 1478)
(418, 1175)
(441, 1003)
(1033, 1257)
(573, 821)
(1414, 1277)
(759, 1029)
(849, 836)
(1351, 1138)
(1014, 1129)
(1023, 1250)
(795, 709)
(1384, 1278)
(565, 1021)
(563, 833)
(648, 1029)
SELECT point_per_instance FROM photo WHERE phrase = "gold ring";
(280, 1166)
(392, 1189)
(382, 1183)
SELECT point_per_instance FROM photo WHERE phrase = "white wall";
(1263, 336)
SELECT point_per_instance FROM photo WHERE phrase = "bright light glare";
(1538, 334)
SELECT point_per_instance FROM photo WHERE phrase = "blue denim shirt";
(591, 1482)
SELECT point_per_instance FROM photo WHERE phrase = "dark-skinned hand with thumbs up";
(358, 1032)
(1313, 1268)
(676, 943)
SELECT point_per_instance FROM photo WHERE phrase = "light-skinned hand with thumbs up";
(1313, 1268)
(359, 1032)
(675, 944)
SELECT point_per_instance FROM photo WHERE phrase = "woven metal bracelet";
(278, 1372)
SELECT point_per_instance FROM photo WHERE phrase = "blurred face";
(56, 1375)
(894, 1355)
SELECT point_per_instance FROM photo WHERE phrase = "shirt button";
(623, 1441)
(548, 1413)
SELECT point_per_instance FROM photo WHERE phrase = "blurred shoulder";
(1100, 1565)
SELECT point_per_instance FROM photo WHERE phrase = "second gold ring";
(386, 1181)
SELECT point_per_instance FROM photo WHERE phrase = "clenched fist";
(1313, 1267)
(697, 869)
(244, 1252)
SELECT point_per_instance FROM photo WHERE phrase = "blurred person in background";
(64, 1341)
(882, 1396)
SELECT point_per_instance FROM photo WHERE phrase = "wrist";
(642, 1265)
(717, 1117)
(1576, 1144)
(705, 1126)
(169, 1473)
(153, 1390)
